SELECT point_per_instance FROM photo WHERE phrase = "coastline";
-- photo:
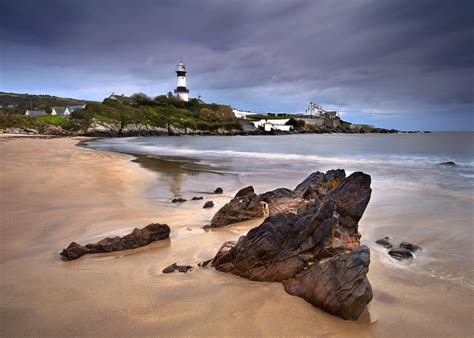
(80, 194)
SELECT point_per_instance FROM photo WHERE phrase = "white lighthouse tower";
(181, 91)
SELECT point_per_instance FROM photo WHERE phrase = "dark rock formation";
(338, 286)
(400, 253)
(196, 198)
(244, 206)
(384, 242)
(315, 252)
(175, 267)
(218, 191)
(208, 204)
(448, 163)
(409, 246)
(137, 238)
(178, 200)
(170, 268)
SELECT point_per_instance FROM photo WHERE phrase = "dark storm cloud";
(394, 63)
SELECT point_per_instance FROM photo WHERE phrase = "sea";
(414, 198)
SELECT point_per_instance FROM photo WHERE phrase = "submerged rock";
(178, 200)
(409, 246)
(400, 253)
(384, 242)
(208, 204)
(196, 198)
(315, 252)
(244, 206)
(137, 238)
(448, 163)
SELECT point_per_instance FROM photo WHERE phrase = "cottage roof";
(59, 111)
(122, 98)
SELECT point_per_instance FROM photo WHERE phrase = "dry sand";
(53, 193)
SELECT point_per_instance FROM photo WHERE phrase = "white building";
(181, 91)
(70, 109)
(277, 124)
(240, 114)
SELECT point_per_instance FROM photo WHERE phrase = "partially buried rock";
(208, 204)
(409, 246)
(178, 200)
(314, 252)
(175, 267)
(196, 198)
(400, 253)
(170, 268)
(137, 238)
(218, 191)
(384, 242)
(447, 163)
(244, 206)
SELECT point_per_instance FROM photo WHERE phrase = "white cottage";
(70, 109)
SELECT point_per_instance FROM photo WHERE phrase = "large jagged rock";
(314, 251)
(244, 206)
(137, 238)
(247, 205)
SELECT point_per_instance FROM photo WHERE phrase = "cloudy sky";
(403, 64)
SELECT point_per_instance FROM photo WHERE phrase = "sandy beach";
(53, 192)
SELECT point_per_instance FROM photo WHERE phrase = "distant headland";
(171, 114)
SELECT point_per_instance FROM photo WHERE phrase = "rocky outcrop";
(137, 238)
(315, 252)
(244, 206)
(247, 205)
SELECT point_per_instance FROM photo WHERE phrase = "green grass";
(52, 119)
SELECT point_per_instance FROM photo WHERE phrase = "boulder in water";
(400, 253)
(208, 204)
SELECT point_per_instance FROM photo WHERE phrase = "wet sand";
(53, 193)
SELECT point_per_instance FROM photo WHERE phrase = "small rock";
(400, 253)
(409, 246)
(196, 198)
(384, 242)
(184, 268)
(178, 200)
(205, 263)
(171, 268)
(189, 229)
(449, 163)
(208, 204)
(218, 191)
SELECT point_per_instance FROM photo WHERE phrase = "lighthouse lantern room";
(181, 91)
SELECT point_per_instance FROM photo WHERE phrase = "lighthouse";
(181, 91)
